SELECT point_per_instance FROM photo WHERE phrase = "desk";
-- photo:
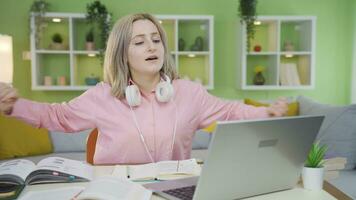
(298, 193)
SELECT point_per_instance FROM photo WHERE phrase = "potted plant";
(57, 42)
(247, 13)
(313, 170)
(97, 13)
(38, 10)
(259, 79)
(89, 38)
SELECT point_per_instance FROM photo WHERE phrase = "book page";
(162, 170)
(143, 172)
(20, 167)
(53, 194)
(178, 167)
(68, 166)
(111, 188)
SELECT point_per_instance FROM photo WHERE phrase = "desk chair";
(91, 144)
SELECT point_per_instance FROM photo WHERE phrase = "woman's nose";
(151, 46)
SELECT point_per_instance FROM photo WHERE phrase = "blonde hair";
(116, 68)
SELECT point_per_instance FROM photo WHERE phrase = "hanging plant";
(39, 9)
(97, 13)
(247, 13)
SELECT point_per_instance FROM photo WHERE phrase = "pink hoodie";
(119, 140)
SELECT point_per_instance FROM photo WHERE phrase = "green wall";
(333, 46)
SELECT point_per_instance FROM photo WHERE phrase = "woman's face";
(146, 52)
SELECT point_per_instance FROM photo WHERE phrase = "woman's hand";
(278, 108)
(8, 97)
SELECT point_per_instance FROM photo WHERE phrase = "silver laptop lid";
(248, 158)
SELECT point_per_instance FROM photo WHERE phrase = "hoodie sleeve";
(76, 115)
(213, 109)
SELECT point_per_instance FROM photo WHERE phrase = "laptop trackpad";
(172, 184)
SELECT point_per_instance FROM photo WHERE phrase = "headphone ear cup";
(133, 96)
(164, 91)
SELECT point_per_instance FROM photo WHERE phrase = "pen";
(127, 171)
(75, 196)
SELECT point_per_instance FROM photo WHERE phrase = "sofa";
(338, 132)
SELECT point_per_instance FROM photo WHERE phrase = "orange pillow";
(293, 107)
(19, 139)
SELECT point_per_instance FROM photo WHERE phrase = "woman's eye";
(138, 43)
(156, 40)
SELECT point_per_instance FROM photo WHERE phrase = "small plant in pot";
(57, 42)
(313, 170)
(89, 38)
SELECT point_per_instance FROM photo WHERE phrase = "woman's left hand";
(279, 108)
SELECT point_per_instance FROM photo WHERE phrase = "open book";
(102, 188)
(163, 170)
(14, 174)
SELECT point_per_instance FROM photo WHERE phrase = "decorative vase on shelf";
(92, 80)
(259, 79)
(181, 44)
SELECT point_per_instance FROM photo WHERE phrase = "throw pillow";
(293, 107)
(19, 139)
(338, 130)
(69, 142)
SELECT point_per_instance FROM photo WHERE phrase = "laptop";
(248, 158)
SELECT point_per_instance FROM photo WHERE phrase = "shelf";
(76, 62)
(63, 67)
(191, 45)
(45, 51)
(285, 47)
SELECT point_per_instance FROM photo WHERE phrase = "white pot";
(313, 178)
(90, 46)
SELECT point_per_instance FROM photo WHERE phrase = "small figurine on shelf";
(257, 48)
(288, 46)
(90, 45)
(47, 81)
(57, 42)
(61, 80)
(259, 79)
(198, 44)
(181, 44)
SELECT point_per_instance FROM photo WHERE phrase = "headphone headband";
(164, 92)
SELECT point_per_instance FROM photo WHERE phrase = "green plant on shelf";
(97, 13)
(90, 36)
(247, 14)
(38, 9)
(316, 156)
(57, 38)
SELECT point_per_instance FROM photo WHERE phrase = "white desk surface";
(297, 193)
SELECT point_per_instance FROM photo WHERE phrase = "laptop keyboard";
(184, 193)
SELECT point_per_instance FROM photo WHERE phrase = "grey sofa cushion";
(76, 142)
(338, 130)
(69, 142)
(201, 140)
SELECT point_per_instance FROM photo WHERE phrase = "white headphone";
(164, 92)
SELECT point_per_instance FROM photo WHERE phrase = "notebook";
(248, 158)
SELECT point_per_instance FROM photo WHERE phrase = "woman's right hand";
(8, 97)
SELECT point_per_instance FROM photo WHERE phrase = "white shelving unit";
(47, 61)
(195, 64)
(74, 63)
(287, 67)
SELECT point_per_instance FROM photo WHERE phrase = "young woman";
(143, 111)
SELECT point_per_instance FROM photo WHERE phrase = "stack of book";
(332, 167)
(289, 75)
